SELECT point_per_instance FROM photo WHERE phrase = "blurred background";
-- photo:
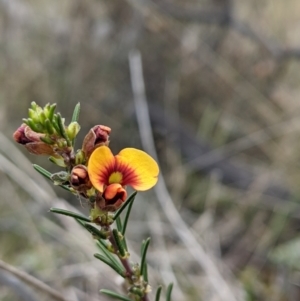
(221, 80)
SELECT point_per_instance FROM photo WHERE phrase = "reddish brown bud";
(31, 140)
(113, 197)
(97, 136)
(19, 135)
(79, 179)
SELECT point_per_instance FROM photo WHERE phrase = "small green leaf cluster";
(46, 121)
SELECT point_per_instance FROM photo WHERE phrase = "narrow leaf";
(121, 272)
(119, 224)
(118, 241)
(49, 126)
(157, 297)
(65, 187)
(120, 227)
(62, 129)
(55, 124)
(114, 295)
(80, 222)
(128, 214)
(103, 247)
(69, 213)
(144, 254)
(35, 126)
(42, 171)
(128, 201)
(94, 231)
(76, 112)
(169, 292)
(48, 175)
(145, 272)
(51, 112)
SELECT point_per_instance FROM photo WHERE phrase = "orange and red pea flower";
(130, 167)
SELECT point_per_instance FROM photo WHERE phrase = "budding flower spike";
(95, 174)
(44, 132)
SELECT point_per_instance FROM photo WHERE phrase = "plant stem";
(145, 298)
(124, 261)
(130, 276)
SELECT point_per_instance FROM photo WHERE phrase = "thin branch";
(34, 282)
(217, 282)
(17, 286)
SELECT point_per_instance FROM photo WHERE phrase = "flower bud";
(72, 130)
(19, 135)
(79, 157)
(79, 179)
(32, 141)
(58, 160)
(114, 196)
(97, 136)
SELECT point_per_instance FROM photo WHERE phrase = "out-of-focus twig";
(36, 283)
(17, 286)
(217, 282)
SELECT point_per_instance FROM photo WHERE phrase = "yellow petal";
(100, 166)
(139, 170)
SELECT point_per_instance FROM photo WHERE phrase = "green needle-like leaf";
(119, 224)
(35, 126)
(49, 127)
(145, 246)
(48, 175)
(69, 213)
(104, 259)
(62, 129)
(76, 112)
(132, 197)
(103, 247)
(80, 222)
(169, 292)
(120, 227)
(55, 124)
(51, 112)
(42, 171)
(128, 201)
(145, 272)
(118, 241)
(94, 231)
(157, 297)
(60, 124)
(114, 295)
